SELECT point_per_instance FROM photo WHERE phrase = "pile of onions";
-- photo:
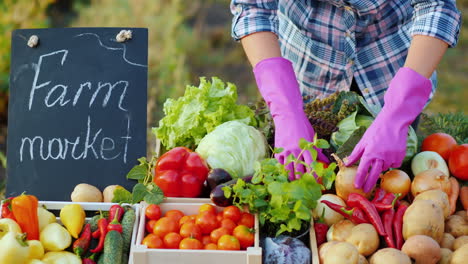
(430, 180)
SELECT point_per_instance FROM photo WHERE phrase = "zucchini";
(113, 245)
(128, 221)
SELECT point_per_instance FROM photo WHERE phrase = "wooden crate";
(143, 255)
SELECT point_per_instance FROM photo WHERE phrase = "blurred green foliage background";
(187, 39)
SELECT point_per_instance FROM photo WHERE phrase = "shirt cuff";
(248, 20)
(437, 19)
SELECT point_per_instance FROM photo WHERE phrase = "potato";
(456, 225)
(459, 242)
(342, 252)
(322, 250)
(446, 256)
(389, 256)
(340, 231)
(365, 238)
(84, 192)
(362, 260)
(423, 249)
(439, 197)
(331, 217)
(460, 256)
(447, 241)
(462, 214)
(424, 218)
(109, 193)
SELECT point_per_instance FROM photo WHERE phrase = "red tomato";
(232, 212)
(217, 233)
(228, 242)
(190, 243)
(172, 240)
(247, 219)
(208, 208)
(439, 142)
(228, 224)
(206, 240)
(245, 235)
(207, 222)
(211, 246)
(458, 162)
(190, 230)
(153, 212)
(152, 241)
(149, 226)
(174, 214)
(164, 226)
(219, 216)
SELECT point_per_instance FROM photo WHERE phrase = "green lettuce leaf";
(189, 118)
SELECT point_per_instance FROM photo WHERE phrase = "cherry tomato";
(458, 162)
(206, 240)
(245, 235)
(232, 212)
(153, 212)
(228, 242)
(208, 208)
(190, 243)
(439, 142)
(149, 226)
(228, 224)
(172, 240)
(152, 241)
(164, 226)
(190, 230)
(185, 219)
(175, 214)
(207, 222)
(217, 233)
(211, 246)
(247, 219)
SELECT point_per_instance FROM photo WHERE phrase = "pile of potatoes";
(432, 235)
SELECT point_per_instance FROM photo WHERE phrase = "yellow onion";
(344, 182)
(430, 180)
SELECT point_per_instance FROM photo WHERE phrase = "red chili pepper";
(115, 225)
(359, 201)
(398, 225)
(102, 227)
(96, 234)
(6, 209)
(116, 209)
(379, 195)
(89, 260)
(387, 202)
(355, 215)
(81, 245)
(321, 230)
(387, 219)
(181, 172)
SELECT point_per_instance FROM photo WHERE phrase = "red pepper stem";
(348, 212)
(396, 199)
(116, 217)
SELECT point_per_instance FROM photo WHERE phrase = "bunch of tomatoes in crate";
(229, 229)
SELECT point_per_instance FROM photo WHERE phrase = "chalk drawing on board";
(124, 49)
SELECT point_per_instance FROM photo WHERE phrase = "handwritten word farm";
(89, 143)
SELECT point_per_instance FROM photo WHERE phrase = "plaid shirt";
(331, 41)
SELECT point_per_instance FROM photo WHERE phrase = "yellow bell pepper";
(45, 217)
(36, 250)
(63, 257)
(73, 218)
(13, 248)
(8, 225)
(55, 237)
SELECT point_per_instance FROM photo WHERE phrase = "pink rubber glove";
(383, 145)
(278, 85)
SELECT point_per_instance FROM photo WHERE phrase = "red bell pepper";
(24, 208)
(181, 173)
(6, 209)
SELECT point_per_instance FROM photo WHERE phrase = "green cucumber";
(128, 221)
(93, 222)
(113, 248)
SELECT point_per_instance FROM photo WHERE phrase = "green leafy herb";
(281, 204)
(454, 124)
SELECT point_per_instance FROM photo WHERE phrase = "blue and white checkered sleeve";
(252, 16)
(440, 19)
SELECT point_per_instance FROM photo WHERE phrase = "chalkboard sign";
(77, 110)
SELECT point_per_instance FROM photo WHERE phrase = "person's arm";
(260, 46)
(425, 54)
